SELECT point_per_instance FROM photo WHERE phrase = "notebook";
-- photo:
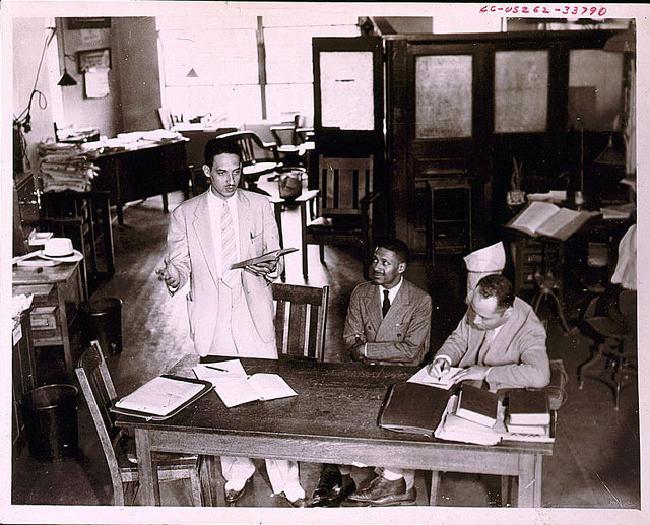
(422, 377)
(477, 405)
(267, 257)
(162, 397)
(413, 408)
(528, 407)
(234, 387)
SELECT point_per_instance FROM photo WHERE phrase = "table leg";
(213, 483)
(165, 199)
(529, 493)
(435, 484)
(146, 470)
(277, 211)
(120, 214)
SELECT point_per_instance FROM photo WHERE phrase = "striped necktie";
(228, 246)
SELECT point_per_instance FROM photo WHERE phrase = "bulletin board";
(443, 96)
(520, 91)
(347, 90)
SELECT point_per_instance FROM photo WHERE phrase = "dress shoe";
(333, 488)
(298, 503)
(232, 495)
(382, 492)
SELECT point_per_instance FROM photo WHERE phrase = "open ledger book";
(266, 257)
(549, 220)
(235, 387)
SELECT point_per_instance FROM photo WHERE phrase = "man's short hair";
(217, 146)
(497, 286)
(396, 246)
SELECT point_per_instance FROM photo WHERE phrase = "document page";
(160, 396)
(270, 386)
(422, 377)
(554, 224)
(536, 214)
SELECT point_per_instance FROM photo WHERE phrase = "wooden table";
(57, 293)
(332, 420)
(146, 170)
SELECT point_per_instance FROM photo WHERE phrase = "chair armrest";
(369, 199)
(308, 196)
(281, 128)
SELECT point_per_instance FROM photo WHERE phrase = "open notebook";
(235, 387)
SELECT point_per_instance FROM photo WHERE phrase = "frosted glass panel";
(520, 91)
(595, 89)
(347, 91)
(443, 96)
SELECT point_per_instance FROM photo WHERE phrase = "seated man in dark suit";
(388, 322)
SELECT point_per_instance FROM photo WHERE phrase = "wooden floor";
(596, 464)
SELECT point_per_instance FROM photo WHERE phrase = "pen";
(215, 368)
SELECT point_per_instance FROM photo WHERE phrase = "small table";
(57, 293)
(332, 420)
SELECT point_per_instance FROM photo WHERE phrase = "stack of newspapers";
(65, 167)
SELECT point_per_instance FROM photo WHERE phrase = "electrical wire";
(24, 116)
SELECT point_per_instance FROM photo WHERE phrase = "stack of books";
(65, 167)
(472, 417)
(528, 416)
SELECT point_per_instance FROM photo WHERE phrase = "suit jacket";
(400, 337)
(517, 354)
(190, 250)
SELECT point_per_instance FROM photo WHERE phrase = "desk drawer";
(44, 294)
(44, 318)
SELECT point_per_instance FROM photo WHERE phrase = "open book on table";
(234, 387)
(549, 220)
(162, 397)
(267, 257)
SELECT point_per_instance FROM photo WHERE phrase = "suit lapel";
(203, 230)
(372, 305)
(243, 205)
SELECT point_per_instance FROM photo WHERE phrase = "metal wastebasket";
(101, 319)
(50, 417)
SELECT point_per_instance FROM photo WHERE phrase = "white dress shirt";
(215, 206)
(392, 292)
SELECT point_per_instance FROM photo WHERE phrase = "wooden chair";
(290, 139)
(344, 217)
(119, 449)
(166, 119)
(615, 334)
(255, 158)
(300, 319)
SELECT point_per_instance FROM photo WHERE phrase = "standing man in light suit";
(230, 311)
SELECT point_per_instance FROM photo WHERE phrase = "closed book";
(528, 407)
(537, 430)
(413, 408)
(478, 405)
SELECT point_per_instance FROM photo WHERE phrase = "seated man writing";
(499, 340)
(388, 322)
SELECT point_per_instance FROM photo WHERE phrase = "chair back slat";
(344, 182)
(300, 319)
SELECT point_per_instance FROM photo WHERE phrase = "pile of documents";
(65, 167)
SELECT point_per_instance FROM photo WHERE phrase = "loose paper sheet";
(96, 83)
(422, 377)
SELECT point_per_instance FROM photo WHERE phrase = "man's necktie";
(228, 246)
(386, 304)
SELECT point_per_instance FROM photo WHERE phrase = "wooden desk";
(57, 293)
(332, 420)
(145, 171)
